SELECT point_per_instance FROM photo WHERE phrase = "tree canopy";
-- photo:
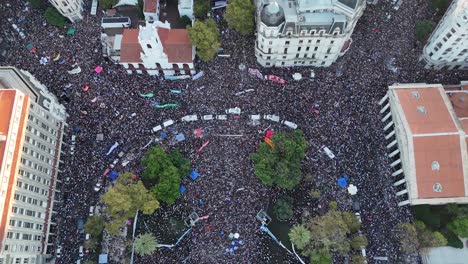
(201, 8)
(106, 4)
(408, 235)
(322, 236)
(94, 225)
(299, 236)
(124, 198)
(164, 172)
(205, 36)
(283, 208)
(282, 164)
(459, 226)
(240, 16)
(54, 18)
(145, 244)
(423, 29)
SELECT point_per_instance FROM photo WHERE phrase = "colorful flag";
(257, 73)
(275, 78)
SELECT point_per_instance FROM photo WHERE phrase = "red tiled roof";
(445, 150)
(150, 6)
(176, 44)
(437, 118)
(130, 48)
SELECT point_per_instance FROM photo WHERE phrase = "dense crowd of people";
(346, 96)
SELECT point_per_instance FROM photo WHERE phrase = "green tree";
(164, 172)
(185, 21)
(91, 244)
(333, 205)
(94, 225)
(54, 18)
(37, 4)
(240, 16)
(182, 164)
(315, 194)
(351, 221)
(139, 9)
(167, 189)
(299, 236)
(408, 235)
(205, 36)
(427, 238)
(441, 5)
(123, 199)
(320, 257)
(145, 244)
(281, 165)
(106, 4)
(358, 259)
(328, 232)
(358, 241)
(459, 226)
(423, 29)
(201, 8)
(283, 208)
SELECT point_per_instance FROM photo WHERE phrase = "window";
(422, 110)
(267, 64)
(301, 41)
(437, 187)
(307, 49)
(435, 166)
(285, 50)
(148, 46)
(299, 49)
(287, 42)
(316, 48)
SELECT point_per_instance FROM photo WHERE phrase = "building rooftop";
(130, 50)
(176, 44)
(150, 6)
(436, 154)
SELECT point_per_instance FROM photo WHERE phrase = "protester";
(338, 108)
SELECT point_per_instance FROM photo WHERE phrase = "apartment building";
(31, 130)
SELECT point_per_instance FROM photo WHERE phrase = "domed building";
(305, 32)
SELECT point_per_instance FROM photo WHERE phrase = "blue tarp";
(182, 189)
(103, 259)
(163, 135)
(113, 175)
(180, 137)
(343, 182)
(194, 175)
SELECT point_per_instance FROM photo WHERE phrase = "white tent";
(297, 76)
(352, 189)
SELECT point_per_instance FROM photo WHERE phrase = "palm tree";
(145, 244)
(300, 236)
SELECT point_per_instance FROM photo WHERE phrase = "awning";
(182, 189)
(71, 31)
(194, 175)
(113, 175)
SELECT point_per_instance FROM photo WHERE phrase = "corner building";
(31, 130)
(305, 32)
(447, 48)
(426, 137)
(71, 9)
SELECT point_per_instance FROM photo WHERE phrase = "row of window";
(39, 145)
(24, 224)
(22, 211)
(36, 166)
(20, 260)
(34, 177)
(29, 200)
(32, 188)
(37, 155)
(23, 236)
(41, 135)
(22, 248)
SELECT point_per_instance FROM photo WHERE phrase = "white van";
(168, 123)
(221, 117)
(273, 118)
(289, 124)
(87, 236)
(189, 118)
(91, 210)
(207, 117)
(255, 117)
(234, 111)
(80, 251)
(329, 153)
(157, 128)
